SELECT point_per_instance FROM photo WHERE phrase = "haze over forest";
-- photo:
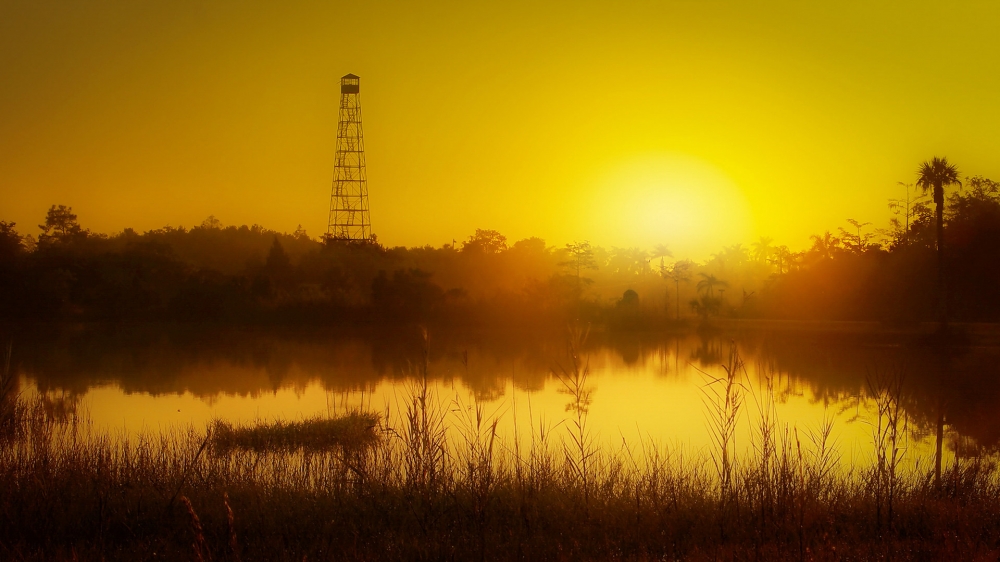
(215, 272)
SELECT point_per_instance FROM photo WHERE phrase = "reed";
(889, 432)
(477, 468)
(11, 409)
(723, 400)
(579, 450)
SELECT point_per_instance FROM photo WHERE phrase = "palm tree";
(824, 246)
(736, 253)
(661, 251)
(783, 257)
(936, 175)
(730, 255)
(708, 284)
(762, 248)
(679, 271)
(628, 261)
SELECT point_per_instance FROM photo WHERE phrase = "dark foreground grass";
(64, 496)
(410, 493)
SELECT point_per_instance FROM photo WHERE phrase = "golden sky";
(690, 123)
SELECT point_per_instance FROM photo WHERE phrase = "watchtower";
(349, 219)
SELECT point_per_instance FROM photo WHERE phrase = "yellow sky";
(692, 123)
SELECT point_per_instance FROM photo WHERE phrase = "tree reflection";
(951, 387)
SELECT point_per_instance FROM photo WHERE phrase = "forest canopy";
(227, 273)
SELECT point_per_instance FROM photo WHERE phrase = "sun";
(670, 199)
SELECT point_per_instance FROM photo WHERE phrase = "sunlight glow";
(670, 199)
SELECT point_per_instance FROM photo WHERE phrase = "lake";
(643, 387)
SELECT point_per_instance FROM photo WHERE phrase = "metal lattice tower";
(349, 219)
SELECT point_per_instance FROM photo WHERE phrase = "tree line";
(213, 272)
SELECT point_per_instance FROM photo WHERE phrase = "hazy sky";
(693, 123)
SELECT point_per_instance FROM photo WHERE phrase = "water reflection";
(644, 384)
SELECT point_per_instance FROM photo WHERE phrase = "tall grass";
(10, 406)
(889, 434)
(412, 493)
(579, 449)
(723, 399)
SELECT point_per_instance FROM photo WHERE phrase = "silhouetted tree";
(628, 261)
(973, 231)
(629, 298)
(782, 257)
(581, 257)
(277, 260)
(60, 226)
(705, 305)
(983, 188)
(10, 242)
(858, 242)
(300, 234)
(677, 272)
(626, 314)
(736, 254)
(661, 251)
(762, 249)
(486, 242)
(824, 246)
(905, 208)
(211, 223)
(408, 296)
(708, 284)
(277, 267)
(936, 175)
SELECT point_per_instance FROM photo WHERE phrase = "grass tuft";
(351, 432)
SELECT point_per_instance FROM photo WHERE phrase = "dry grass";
(408, 493)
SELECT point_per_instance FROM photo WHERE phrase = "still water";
(642, 387)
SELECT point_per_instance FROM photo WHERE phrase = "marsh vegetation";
(403, 487)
